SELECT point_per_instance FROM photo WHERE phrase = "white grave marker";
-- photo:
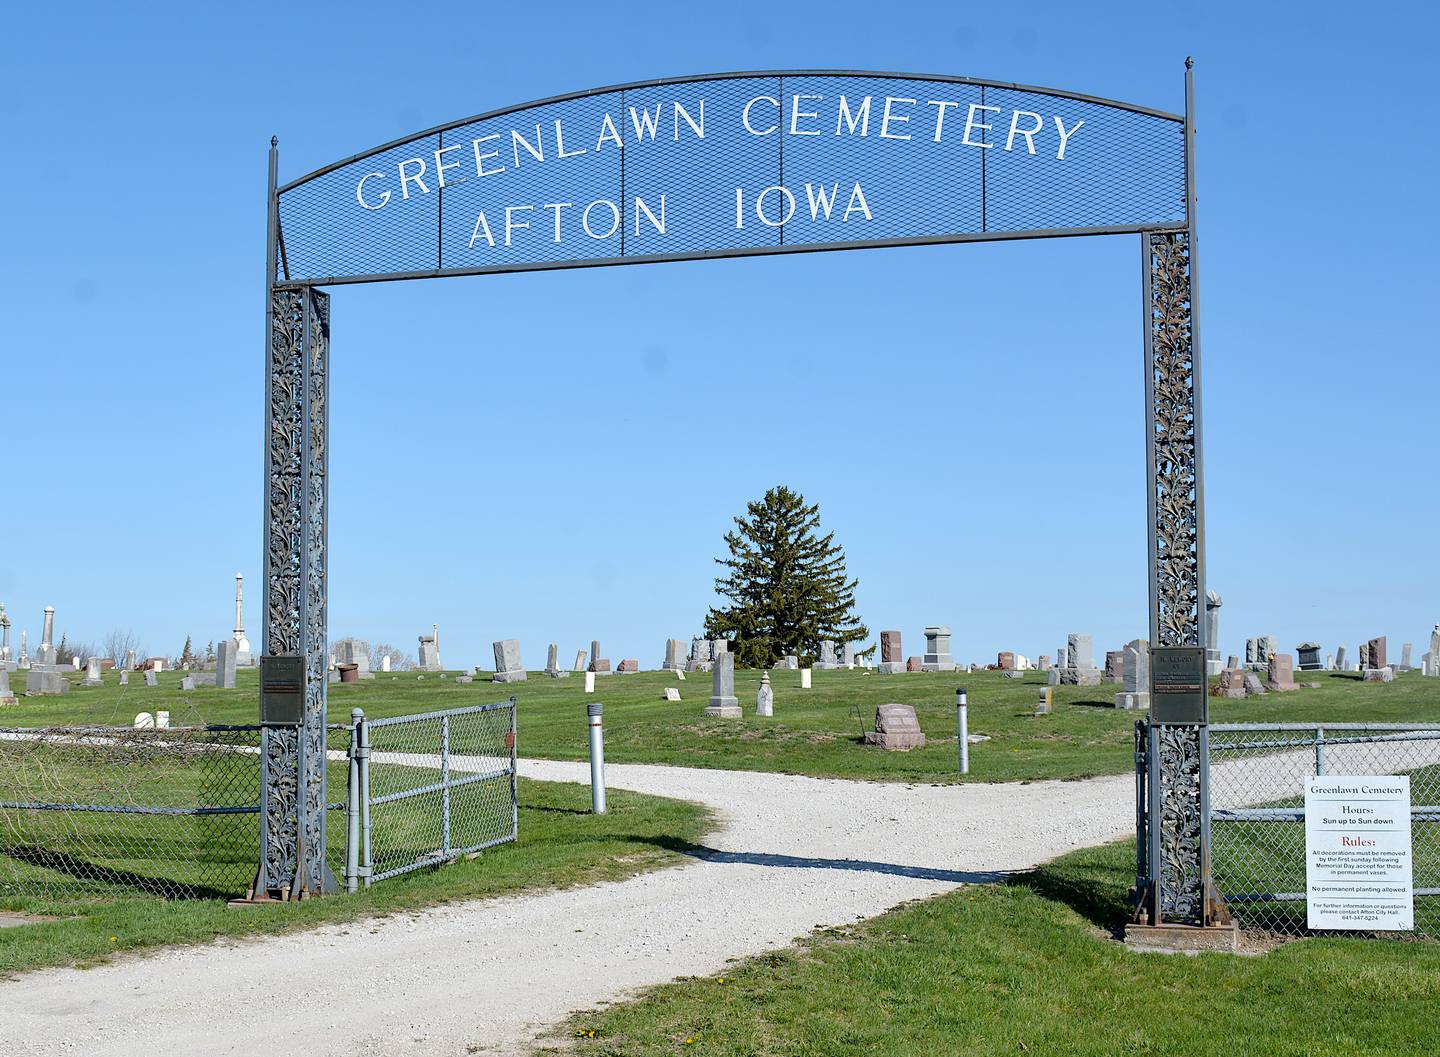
(804, 678)
(1358, 860)
(589, 682)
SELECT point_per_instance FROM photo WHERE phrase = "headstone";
(1114, 666)
(24, 661)
(1046, 705)
(723, 701)
(699, 655)
(937, 657)
(1079, 669)
(1373, 655)
(581, 661)
(672, 655)
(892, 660)
(1213, 603)
(144, 721)
(1282, 673)
(352, 651)
(45, 681)
(552, 663)
(847, 655)
(1044, 663)
(1135, 675)
(680, 674)
(92, 673)
(1233, 662)
(151, 678)
(629, 665)
(227, 656)
(600, 667)
(1232, 683)
(589, 682)
(765, 698)
(508, 666)
(1431, 665)
(125, 677)
(912, 664)
(75, 662)
(46, 652)
(205, 679)
(1309, 657)
(672, 693)
(1340, 658)
(827, 661)
(790, 662)
(466, 679)
(429, 654)
(1253, 688)
(1378, 675)
(385, 663)
(130, 659)
(1062, 657)
(804, 678)
(1405, 664)
(1005, 661)
(188, 683)
(162, 719)
(7, 696)
(896, 729)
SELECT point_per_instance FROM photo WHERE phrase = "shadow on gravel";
(803, 862)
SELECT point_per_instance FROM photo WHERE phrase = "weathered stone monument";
(430, 651)
(552, 663)
(1232, 683)
(1430, 663)
(1253, 686)
(673, 648)
(508, 667)
(1080, 668)
(45, 654)
(827, 661)
(804, 678)
(896, 729)
(581, 661)
(700, 655)
(350, 651)
(4, 635)
(1135, 675)
(937, 656)
(672, 693)
(1005, 661)
(227, 658)
(1282, 673)
(92, 673)
(1213, 602)
(45, 681)
(765, 698)
(629, 665)
(892, 657)
(1373, 661)
(847, 655)
(598, 664)
(913, 664)
(1405, 665)
(1309, 657)
(244, 658)
(152, 677)
(1114, 666)
(723, 701)
(790, 662)
(7, 696)
(1046, 705)
(187, 683)
(1258, 652)
(1340, 658)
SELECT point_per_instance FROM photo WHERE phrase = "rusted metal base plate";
(1182, 939)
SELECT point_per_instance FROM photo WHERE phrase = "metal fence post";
(352, 806)
(513, 739)
(362, 759)
(1319, 751)
(445, 785)
(962, 728)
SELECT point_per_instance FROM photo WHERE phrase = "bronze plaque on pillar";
(282, 690)
(1178, 686)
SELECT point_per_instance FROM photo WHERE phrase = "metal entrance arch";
(727, 165)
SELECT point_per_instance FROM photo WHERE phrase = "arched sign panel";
(733, 165)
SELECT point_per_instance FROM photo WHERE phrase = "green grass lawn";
(1032, 967)
(560, 844)
(815, 732)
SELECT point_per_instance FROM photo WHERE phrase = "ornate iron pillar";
(293, 792)
(1178, 856)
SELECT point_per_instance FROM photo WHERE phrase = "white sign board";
(1358, 870)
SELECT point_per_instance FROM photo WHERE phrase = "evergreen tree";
(187, 655)
(787, 584)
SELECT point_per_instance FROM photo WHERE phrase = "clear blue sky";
(556, 456)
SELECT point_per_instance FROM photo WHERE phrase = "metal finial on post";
(1189, 62)
(274, 142)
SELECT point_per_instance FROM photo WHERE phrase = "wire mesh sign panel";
(730, 165)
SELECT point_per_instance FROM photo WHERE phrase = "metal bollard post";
(597, 757)
(352, 807)
(962, 726)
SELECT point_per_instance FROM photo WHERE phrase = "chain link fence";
(1257, 811)
(430, 788)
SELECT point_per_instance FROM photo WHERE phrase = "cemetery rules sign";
(1358, 859)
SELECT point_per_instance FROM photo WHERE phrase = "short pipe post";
(362, 756)
(962, 728)
(352, 806)
(597, 757)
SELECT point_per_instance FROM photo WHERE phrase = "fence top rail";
(1224, 727)
(441, 714)
(213, 728)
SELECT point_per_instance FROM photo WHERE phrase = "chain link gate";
(429, 788)
(1255, 810)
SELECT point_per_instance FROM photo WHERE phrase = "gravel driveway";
(790, 854)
